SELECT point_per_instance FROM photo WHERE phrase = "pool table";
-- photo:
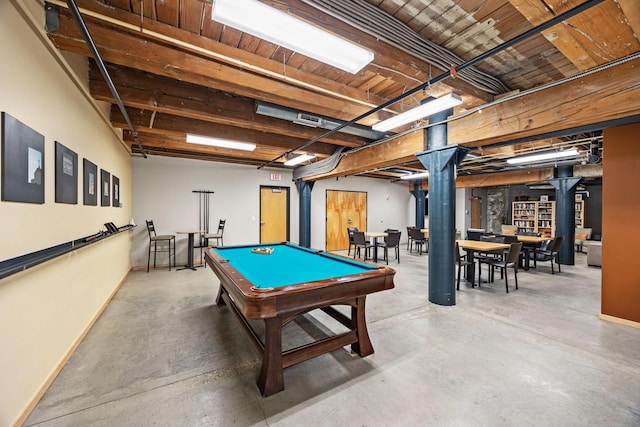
(287, 283)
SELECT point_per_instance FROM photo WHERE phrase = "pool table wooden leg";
(363, 346)
(219, 300)
(271, 378)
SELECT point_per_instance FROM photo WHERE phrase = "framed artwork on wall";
(105, 188)
(90, 183)
(22, 162)
(66, 175)
(115, 192)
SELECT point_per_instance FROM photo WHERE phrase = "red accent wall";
(621, 223)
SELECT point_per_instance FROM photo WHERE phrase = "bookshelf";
(534, 216)
(579, 213)
(523, 216)
(546, 218)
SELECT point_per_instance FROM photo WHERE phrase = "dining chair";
(165, 239)
(359, 241)
(391, 241)
(461, 261)
(548, 253)
(350, 231)
(418, 238)
(409, 227)
(475, 233)
(511, 259)
(487, 257)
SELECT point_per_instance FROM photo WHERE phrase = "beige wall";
(45, 310)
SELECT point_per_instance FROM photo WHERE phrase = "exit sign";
(276, 177)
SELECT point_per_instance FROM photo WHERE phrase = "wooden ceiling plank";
(631, 11)
(192, 15)
(167, 12)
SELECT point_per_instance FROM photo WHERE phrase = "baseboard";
(620, 321)
(47, 383)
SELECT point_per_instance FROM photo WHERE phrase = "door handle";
(262, 223)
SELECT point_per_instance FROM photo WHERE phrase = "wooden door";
(344, 209)
(274, 214)
(476, 212)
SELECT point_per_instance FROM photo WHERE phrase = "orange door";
(476, 212)
(274, 214)
(344, 209)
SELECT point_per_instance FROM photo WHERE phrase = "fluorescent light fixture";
(415, 175)
(424, 110)
(551, 155)
(297, 160)
(260, 20)
(215, 142)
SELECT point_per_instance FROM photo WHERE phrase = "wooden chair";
(391, 241)
(418, 238)
(359, 241)
(461, 261)
(154, 239)
(511, 259)
(350, 231)
(548, 253)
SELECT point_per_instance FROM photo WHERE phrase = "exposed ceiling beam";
(606, 95)
(155, 93)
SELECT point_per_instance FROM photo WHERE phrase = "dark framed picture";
(105, 188)
(66, 175)
(22, 162)
(115, 192)
(90, 183)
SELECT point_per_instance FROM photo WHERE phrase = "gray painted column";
(304, 190)
(441, 161)
(565, 184)
(421, 203)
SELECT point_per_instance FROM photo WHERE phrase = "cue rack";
(204, 197)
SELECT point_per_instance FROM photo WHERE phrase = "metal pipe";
(553, 21)
(105, 74)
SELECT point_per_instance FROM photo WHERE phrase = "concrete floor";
(162, 354)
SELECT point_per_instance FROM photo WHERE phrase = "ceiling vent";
(308, 120)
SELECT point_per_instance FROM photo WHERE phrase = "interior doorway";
(274, 214)
(344, 209)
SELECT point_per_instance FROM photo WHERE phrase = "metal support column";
(421, 203)
(565, 184)
(304, 191)
(441, 161)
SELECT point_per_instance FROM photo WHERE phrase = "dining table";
(374, 235)
(473, 246)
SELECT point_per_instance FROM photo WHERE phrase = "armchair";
(582, 235)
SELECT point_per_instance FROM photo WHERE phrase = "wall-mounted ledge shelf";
(23, 262)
